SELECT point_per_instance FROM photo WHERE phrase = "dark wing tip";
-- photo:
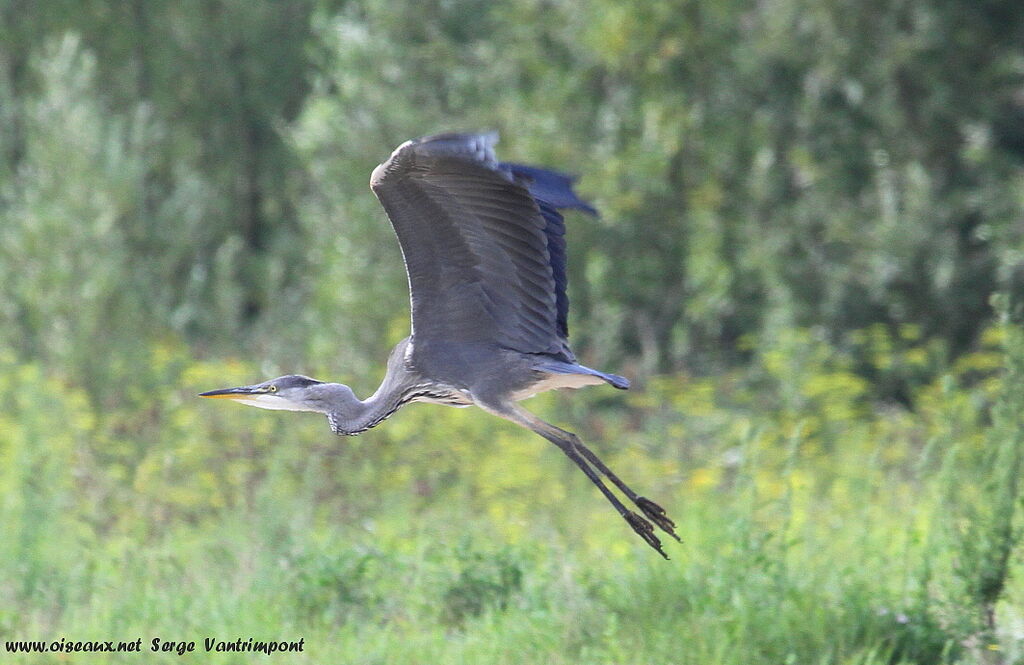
(553, 187)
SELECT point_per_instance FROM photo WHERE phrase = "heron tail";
(561, 367)
(620, 382)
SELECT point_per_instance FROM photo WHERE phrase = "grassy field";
(817, 527)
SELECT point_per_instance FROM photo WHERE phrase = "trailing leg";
(574, 449)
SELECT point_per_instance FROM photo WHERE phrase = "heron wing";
(552, 191)
(485, 257)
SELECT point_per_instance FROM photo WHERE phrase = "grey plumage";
(473, 242)
(484, 250)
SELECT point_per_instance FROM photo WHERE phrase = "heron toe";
(644, 529)
(657, 514)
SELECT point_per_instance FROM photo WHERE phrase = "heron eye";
(272, 389)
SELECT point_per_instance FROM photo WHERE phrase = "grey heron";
(484, 249)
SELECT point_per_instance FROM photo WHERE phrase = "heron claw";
(644, 529)
(657, 514)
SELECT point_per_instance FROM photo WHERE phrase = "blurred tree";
(759, 166)
(219, 79)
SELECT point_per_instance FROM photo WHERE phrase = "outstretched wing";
(483, 242)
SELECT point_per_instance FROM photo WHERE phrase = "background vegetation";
(810, 259)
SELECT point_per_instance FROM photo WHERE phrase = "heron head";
(293, 392)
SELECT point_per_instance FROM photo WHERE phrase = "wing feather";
(484, 247)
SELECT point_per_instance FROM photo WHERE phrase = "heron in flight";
(484, 250)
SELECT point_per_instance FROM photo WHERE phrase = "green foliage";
(816, 527)
(330, 586)
(37, 480)
(986, 526)
(484, 581)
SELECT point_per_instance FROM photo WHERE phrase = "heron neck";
(382, 404)
(364, 414)
(388, 398)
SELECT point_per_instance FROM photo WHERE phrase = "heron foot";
(644, 529)
(657, 514)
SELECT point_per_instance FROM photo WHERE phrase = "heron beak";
(241, 392)
(261, 396)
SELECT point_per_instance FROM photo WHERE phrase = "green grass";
(817, 527)
(739, 590)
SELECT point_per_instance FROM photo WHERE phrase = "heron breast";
(446, 396)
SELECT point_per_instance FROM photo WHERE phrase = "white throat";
(272, 403)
